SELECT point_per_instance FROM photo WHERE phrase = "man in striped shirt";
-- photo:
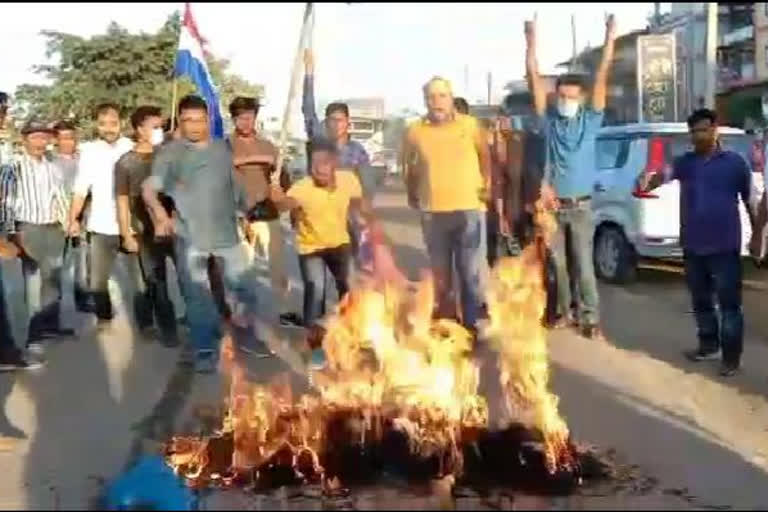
(33, 211)
(11, 358)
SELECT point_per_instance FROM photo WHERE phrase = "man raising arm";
(569, 173)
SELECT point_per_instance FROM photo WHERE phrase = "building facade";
(622, 99)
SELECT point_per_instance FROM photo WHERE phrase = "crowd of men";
(205, 204)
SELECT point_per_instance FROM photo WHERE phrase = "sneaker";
(205, 362)
(729, 369)
(187, 356)
(592, 332)
(258, 349)
(15, 361)
(148, 333)
(564, 322)
(35, 348)
(700, 355)
(317, 360)
(291, 320)
(170, 339)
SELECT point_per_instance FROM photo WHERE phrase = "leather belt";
(567, 201)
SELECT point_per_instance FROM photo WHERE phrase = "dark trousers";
(493, 236)
(103, 249)
(152, 300)
(720, 275)
(41, 264)
(7, 344)
(312, 267)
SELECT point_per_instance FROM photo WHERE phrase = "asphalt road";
(692, 439)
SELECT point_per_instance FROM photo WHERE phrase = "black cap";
(36, 126)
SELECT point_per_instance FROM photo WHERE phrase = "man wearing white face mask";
(137, 234)
(569, 174)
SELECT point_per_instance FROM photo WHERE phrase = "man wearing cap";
(447, 168)
(11, 358)
(33, 214)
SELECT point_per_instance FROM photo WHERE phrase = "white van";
(630, 225)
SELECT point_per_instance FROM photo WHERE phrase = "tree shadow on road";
(654, 315)
(678, 455)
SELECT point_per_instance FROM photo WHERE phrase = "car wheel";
(615, 259)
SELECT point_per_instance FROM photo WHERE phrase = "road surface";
(693, 440)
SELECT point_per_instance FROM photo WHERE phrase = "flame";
(516, 301)
(389, 359)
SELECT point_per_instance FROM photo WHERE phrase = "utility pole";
(466, 80)
(711, 55)
(573, 42)
(490, 79)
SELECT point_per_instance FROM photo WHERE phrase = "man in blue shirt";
(711, 181)
(569, 174)
(352, 154)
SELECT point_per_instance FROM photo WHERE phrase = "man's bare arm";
(484, 157)
(601, 77)
(410, 176)
(152, 199)
(535, 85)
(124, 215)
(283, 203)
(361, 208)
(75, 209)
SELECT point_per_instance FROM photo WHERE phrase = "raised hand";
(530, 31)
(309, 61)
(610, 28)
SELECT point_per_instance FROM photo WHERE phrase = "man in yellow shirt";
(446, 163)
(322, 202)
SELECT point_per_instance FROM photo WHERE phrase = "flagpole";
(173, 104)
(292, 91)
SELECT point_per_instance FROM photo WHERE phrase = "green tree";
(128, 69)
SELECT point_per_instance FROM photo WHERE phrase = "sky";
(362, 49)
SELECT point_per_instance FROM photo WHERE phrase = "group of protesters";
(201, 202)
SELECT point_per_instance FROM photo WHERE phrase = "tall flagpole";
(292, 91)
(173, 102)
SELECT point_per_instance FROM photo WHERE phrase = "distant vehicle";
(631, 225)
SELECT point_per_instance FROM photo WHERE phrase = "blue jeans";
(312, 267)
(241, 281)
(457, 238)
(720, 275)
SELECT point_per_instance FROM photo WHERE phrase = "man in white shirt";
(34, 209)
(96, 174)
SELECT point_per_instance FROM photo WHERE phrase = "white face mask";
(157, 136)
(567, 108)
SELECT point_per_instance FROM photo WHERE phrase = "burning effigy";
(400, 395)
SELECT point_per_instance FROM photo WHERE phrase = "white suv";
(629, 224)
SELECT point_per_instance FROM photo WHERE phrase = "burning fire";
(394, 373)
(516, 301)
